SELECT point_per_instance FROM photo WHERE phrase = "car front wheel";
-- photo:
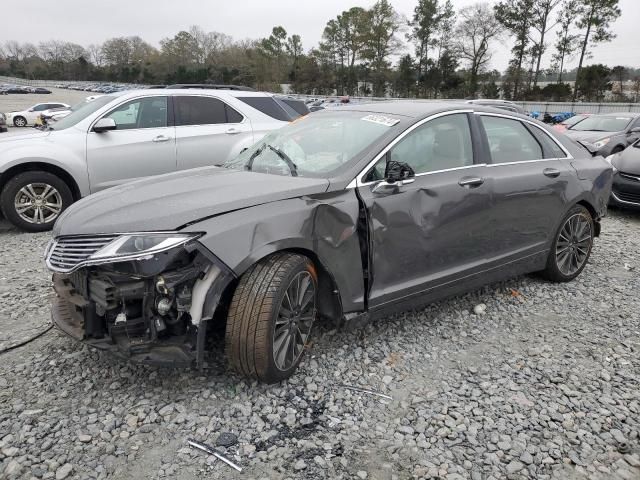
(271, 317)
(571, 247)
(20, 122)
(34, 200)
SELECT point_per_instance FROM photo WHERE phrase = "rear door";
(431, 231)
(528, 179)
(142, 145)
(208, 131)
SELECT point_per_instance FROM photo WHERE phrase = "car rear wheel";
(571, 247)
(34, 200)
(20, 122)
(271, 317)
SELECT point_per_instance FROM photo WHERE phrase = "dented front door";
(426, 233)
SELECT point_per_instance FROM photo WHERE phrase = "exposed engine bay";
(151, 310)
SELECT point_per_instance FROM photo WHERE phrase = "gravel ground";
(545, 383)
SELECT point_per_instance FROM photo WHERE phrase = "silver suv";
(126, 136)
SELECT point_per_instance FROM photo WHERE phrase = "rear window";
(268, 106)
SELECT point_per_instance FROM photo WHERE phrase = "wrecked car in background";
(347, 214)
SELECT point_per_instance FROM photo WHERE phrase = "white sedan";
(29, 116)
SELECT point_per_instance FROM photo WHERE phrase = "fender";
(65, 153)
(325, 225)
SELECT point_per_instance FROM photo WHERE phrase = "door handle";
(161, 138)
(471, 182)
(551, 172)
(391, 186)
(232, 131)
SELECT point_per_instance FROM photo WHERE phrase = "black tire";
(256, 309)
(556, 269)
(22, 180)
(19, 121)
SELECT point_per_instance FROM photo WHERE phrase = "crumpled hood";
(587, 136)
(167, 202)
(628, 161)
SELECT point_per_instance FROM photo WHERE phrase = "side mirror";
(398, 172)
(635, 130)
(104, 125)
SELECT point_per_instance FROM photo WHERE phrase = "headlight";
(601, 143)
(140, 245)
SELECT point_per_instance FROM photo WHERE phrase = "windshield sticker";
(381, 119)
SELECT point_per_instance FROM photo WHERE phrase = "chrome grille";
(67, 253)
(629, 176)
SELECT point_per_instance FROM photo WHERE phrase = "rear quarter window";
(268, 106)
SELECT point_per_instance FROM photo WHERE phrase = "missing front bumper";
(175, 353)
(119, 308)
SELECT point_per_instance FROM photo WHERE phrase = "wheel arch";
(594, 215)
(329, 298)
(45, 167)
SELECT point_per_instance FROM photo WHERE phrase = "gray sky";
(86, 22)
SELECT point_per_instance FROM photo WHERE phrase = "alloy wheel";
(38, 203)
(19, 122)
(294, 321)
(574, 244)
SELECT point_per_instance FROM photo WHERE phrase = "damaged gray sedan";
(346, 214)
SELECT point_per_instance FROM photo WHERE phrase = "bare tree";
(476, 30)
(542, 9)
(95, 54)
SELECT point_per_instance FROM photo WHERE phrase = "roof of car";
(407, 108)
(186, 91)
(210, 86)
(416, 108)
(620, 114)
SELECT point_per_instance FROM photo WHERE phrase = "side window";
(510, 141)
(232, 115)
(149, 112)
(195, 110)
(442, 143)
(551, 148)
(40, 108)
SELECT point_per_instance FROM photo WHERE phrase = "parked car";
(501, 104)
(52, 115)
(348, 214)
(3, 123)
(39, 90)
(626, 177)
(609, 132)
(569, 122)
(17, 89)
(49, 117)
(28, 117)
(121, 137)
